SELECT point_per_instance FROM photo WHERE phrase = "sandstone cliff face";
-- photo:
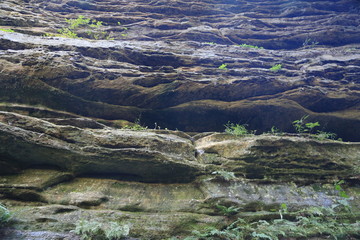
(188, 66)
(161, 183)
(163, 62)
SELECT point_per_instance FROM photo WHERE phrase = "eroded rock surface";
(179, 65)
(163, 64)
(145, 156)
(161, 183)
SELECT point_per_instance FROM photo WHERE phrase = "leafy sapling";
(301, 126)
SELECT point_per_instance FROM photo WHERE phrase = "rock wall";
(56, 172)
(162, 62)
(188, 66)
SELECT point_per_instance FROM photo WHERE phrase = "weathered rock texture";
(57, 171)
(162, 65)
(64, 158)
(143, 156)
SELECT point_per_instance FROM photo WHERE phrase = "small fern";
(227, 211)
(4, 214)
(90, 230)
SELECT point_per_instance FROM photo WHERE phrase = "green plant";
(88, 230)
(223, 66)
(237, 129)
(309, 43)
(308, 223)
(227, 176)
(65, 32)
(92, 230)
(117, 231)
(276, 67)
(6, 30)
(210, 43)
(275, 131)
(321, 135)
(341, 191)
(4, 214)
(135, 127)
(301, 126)
(89, 26)
(227, 211)
(283, 209)
(311, 125)
(249, 46)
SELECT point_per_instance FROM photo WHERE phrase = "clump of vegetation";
(6, 30)
(341, 191)
(309, 43)
(249, 46)
(307, 223)
(223, 66)
(136, 126)
(310, 222)
(321, 135)
(90, 28)
(237, 129)
(276, 67)
(301, 126)
(91, 230)
(227, 211)
(227, 176)
(275, 131)
(4, 214)
(210, 43)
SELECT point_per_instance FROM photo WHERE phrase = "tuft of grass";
(276, 68)
(237, 129)
(135, 127)
(249, 46)
(321, 135)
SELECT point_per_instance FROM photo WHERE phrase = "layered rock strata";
(189, 66)
(162, 65)
(56, 172)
